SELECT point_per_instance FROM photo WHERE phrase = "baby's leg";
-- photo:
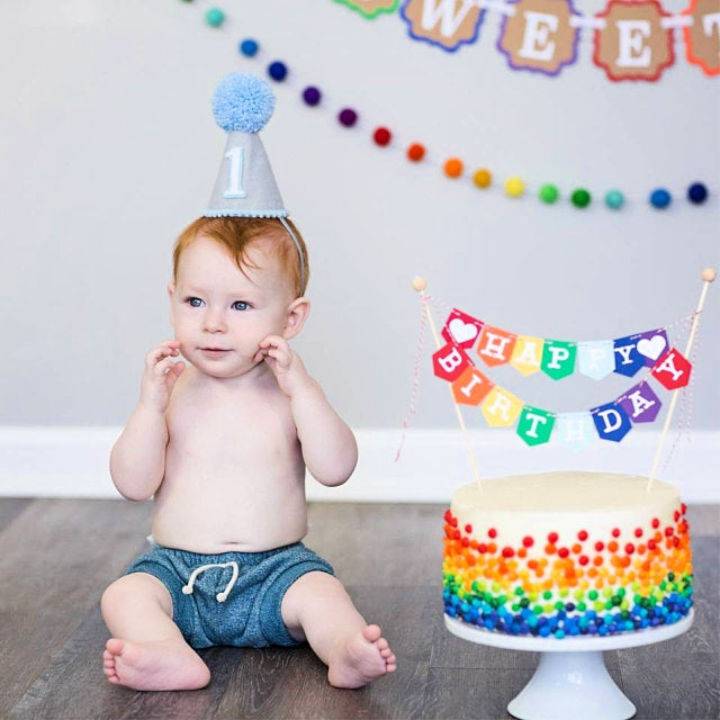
(316, 607)
(147, 650)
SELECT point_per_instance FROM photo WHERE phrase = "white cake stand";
(571, 680)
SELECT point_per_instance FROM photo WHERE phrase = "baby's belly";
(213, 515)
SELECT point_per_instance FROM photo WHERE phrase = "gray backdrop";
(108, 148)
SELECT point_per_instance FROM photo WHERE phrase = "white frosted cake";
(567, 553)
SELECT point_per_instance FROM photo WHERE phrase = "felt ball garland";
(416, 152)
(347, 117)
(248, 47)
(277, 70)
(382, 136)
(311, 95)
(215, 17)
(660, 198)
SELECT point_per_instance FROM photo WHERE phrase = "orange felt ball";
(453, 167)
(416, 152)
(482, 178)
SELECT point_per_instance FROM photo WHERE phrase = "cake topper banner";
(555, 358)
(610, 421)
(631, 40)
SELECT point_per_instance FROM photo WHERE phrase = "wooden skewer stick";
(420, 284)
(707, 276)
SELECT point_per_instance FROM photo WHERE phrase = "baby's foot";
(362, 658)
(159, 665)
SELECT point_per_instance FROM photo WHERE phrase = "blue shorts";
(230, 598)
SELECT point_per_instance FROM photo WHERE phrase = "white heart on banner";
(652, 347)
(462, 331)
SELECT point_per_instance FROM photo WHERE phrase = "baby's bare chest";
(230, 434)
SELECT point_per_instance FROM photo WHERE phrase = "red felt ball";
(638, 532)
(507, 552)
(583, 535)
(599, 545)
(416, 152)
(382, 136)
(616, 532)
(563, 552)
(629, 548)
(468, 528)
(553, 537)
(583, 560)
(492, 532)
(528, 541)
(668, 531)
(482, 547)
(656, 523)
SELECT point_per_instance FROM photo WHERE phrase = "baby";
(222, 444)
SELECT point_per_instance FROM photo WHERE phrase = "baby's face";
(221, 314)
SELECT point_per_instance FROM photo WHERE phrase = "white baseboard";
(73, 462)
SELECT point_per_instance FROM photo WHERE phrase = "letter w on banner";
(444, 23)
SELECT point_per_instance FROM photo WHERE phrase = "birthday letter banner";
(501, 408)
(632, 40)
(555, 358)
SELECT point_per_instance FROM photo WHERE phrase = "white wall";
(108, 148)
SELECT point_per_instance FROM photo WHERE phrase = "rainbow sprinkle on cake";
(581, 569)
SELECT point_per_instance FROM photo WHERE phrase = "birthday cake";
(564, 554)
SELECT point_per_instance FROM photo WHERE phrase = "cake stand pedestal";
(571, 680)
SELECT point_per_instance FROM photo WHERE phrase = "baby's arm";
(137, 460)
(328, 445)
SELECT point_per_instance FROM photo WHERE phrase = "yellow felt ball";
(514, 187)
(482, 178)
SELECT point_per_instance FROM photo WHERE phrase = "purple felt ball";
(311, 95)
(347, 117)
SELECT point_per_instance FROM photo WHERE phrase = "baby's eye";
(192, 301)
(241, 305)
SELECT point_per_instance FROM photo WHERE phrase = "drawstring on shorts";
(221, 597)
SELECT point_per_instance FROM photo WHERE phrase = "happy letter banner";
(632, 40)
(555, 358)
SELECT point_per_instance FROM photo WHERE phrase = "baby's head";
(235, 281)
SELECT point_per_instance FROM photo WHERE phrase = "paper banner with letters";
(632, 40)
(610, 421)
(557, 359)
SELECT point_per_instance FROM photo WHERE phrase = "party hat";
(245, 185)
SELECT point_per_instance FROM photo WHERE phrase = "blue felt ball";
(277, 70)
(697, 193)
(660, 198)
(249, 47)
(242, 103)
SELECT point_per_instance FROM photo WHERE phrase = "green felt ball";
(214, 17)
(580, 198)
(549, 193)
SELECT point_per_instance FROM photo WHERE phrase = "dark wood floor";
(57, 556)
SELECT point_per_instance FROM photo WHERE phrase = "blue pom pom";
(242, 103)
(660, 198)
(249, 47)
(277, 70)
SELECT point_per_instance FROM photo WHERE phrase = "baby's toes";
(371, 633)
(382, 644)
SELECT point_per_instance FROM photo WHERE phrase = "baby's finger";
(159, 353)
(282, 357)
(273, 340)
(163, 367)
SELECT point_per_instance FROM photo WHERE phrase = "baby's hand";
(285, 364)
(160, 375)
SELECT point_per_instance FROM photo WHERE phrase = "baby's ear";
(297, 314)
(170, 289)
